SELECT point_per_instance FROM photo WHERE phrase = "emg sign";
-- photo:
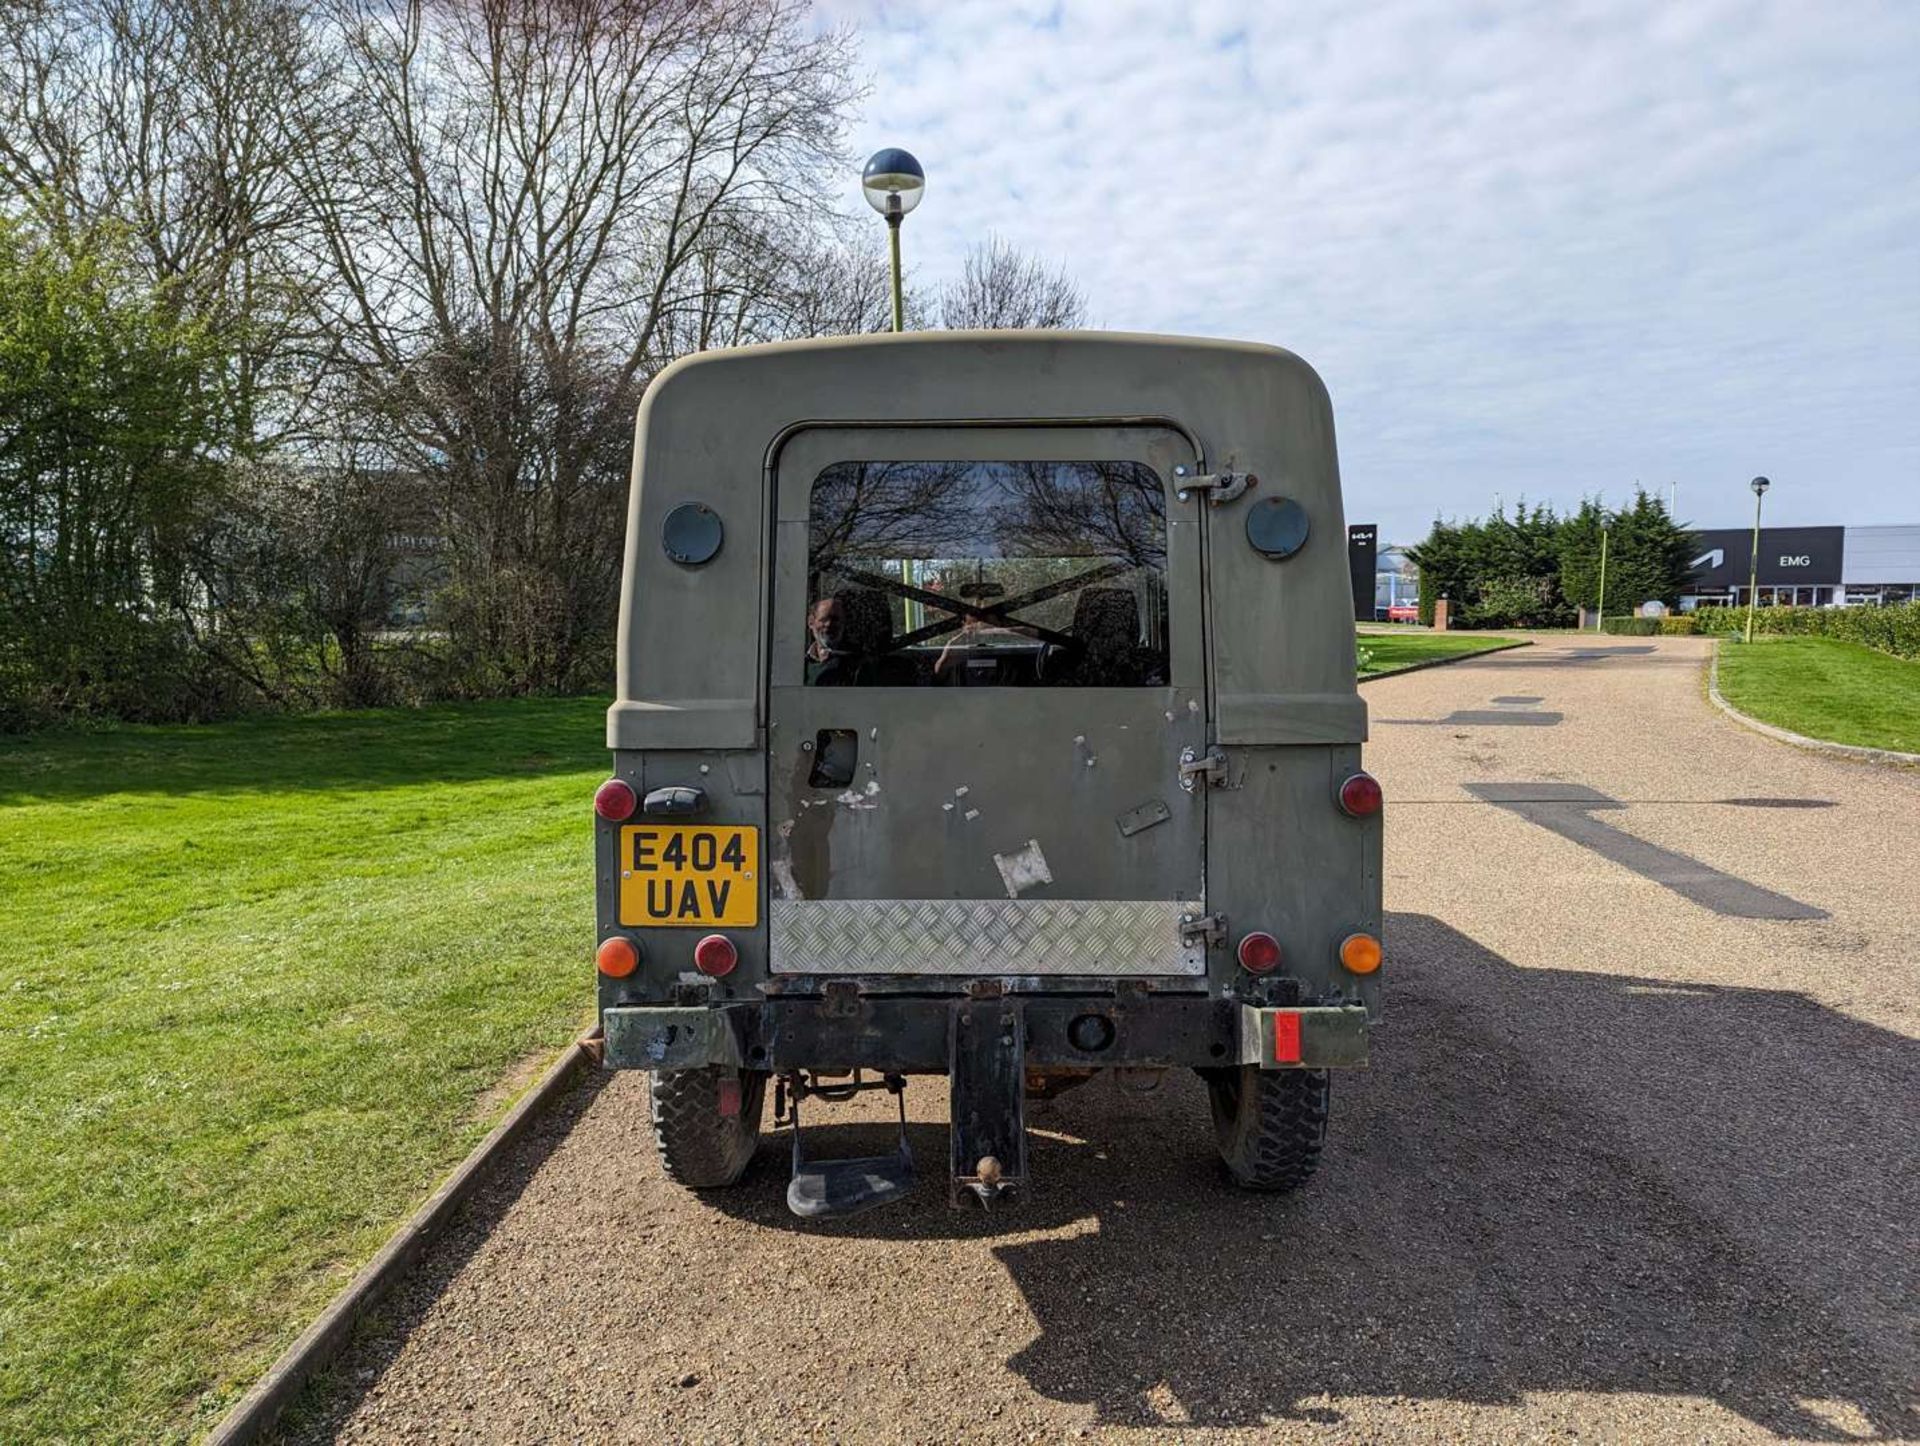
(1802, 555)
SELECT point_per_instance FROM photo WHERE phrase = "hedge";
(1647, 627)
(1893, 629)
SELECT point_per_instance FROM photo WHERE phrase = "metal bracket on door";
(1206, 929)
(1219, 486)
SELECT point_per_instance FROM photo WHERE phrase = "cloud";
(1543, 249)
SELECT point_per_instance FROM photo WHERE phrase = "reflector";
(715, 955)
(614, 800)
(1360, 796)
(1286, 1038)
(1259, 953)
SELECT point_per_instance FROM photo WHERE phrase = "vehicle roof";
(712, 425)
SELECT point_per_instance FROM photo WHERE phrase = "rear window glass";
(1000, 574)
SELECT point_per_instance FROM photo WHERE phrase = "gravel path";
(1625, 1168)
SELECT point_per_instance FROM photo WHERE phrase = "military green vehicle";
(986, 710)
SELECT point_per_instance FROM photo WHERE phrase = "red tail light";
(715, 955)
(1360, 796)
(614, 800)
(1259, 953)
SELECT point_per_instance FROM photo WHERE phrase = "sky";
(1535, 250)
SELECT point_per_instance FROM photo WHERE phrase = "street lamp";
(894, 184)
(1760, 486)
(1600, 620)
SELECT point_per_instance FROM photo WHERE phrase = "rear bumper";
(911, 1035)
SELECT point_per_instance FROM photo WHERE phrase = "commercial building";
(1806, 566)
(1882, 565)
(1396, 585)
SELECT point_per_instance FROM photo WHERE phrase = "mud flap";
(986, 1071)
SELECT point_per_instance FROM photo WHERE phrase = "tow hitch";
(987, 1070)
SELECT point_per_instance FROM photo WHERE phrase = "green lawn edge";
(1403, 654)
(263, 985)
(1825, 689)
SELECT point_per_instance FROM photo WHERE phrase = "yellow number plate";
(689, 876)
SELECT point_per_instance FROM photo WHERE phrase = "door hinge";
(1206, 929)
(1219, 486)
(1195, 766)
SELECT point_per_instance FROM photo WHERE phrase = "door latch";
(1219, 486)
(1195, 766)
(1208, 929)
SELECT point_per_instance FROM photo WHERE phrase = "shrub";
(1672, 627)
(1893, 630)
(1631, 627)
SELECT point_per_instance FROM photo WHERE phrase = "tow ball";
(987, 1076)
(986, 1071)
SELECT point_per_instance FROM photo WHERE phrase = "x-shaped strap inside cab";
(1001, 612)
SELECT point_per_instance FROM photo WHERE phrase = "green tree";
(1577, 552)
(109, 411)
(1647, 555)
(1503, 572)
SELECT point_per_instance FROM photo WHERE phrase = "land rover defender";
(986, 710)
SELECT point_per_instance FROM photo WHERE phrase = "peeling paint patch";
(1023, 869)
(781, 864)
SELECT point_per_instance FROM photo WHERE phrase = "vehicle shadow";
(1549, 1181)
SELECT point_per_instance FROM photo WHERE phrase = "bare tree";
(547, 202)
(1001, 288)
(758, 285)
(180, 123)
(450, 241)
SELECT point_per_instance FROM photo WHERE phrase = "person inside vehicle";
(830, 662)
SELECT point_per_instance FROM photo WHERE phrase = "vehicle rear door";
(985, 663)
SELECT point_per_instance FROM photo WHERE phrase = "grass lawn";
(1825, 688)
(261, 986)
(1386, 651)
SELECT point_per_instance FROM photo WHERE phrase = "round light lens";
(893, 182)
(614, 800)
(715, 956)
(1360, 953)
(1259, 953)
(617, 957)
(1360, 796)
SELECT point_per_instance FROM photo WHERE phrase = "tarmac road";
(1627, 1165)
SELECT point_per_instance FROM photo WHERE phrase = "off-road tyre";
(1269, 1124)
(699, 1146)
